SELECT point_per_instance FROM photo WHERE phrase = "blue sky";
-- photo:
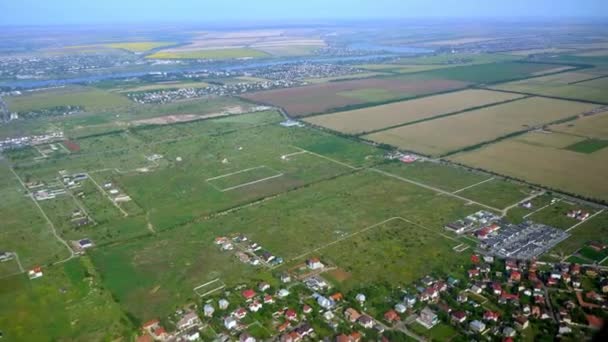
(42, 12)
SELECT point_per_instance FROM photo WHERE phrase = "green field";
(588, 146)
(90, 98)
(497, 193)
(594, 229)
(435, 174)
(210, 54)
(489, 73)
(68, 303)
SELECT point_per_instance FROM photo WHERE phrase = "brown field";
(538, 51)
(444, 135)
(319, 98)
(540, 158)
(563, 78)
(374, 118)
(552, 70)
(595, 126)
(339, 275)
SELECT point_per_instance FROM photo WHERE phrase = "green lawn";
(595, 228)
(91, 99)
(555, 215)
(435, 174)
(440, 332)
(67, 303)
(588, 146)
(497, 193)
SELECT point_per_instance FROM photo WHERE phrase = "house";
(477, 326)
(240, 313)
(336, 297)
(352, 315)
(268, 299)
(283, 293)
(475, 258)
(391, 316)
(304, 330)
(366, 321)
(427, 318)
(473, 273)
(521, 322)
(462, 297)
(491, 316)
(5, 256)
(248, 294)
(35, 272)
(283, 327)
(223, 304)
(192, 335)
(497, 288)
(314, 264)
(188, 320)
(597, 246)
(400, 308)
(246, 337)
(324, 302)
(508, 332)
(291, 315)
(208, 310)
(459, 316)
(85, 243)
(328, 315)
(306, 309)
(409, 300)
(291, 337)
(255, 306)
(515, 276)
(263, 286)
(360, 298)
(285, 278)
(488, 258)
(564, 329)
(230, 323)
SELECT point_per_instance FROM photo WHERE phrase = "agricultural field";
(497, 193)
(139, 47)
(319, 98)
(292, 226)
(547, 159)
(570, 85)
(449, 59)
(163, 86)
(493, 72)
(442, 176)
(395, 114)
(72, 295)
(592, 127)
(231, 53)
(449, 134)
(89, 98)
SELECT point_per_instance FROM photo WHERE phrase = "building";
(427, 318)
(314, 264)
(188, 320)
(230, 323)
(477, 326)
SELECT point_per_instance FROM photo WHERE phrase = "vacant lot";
(395, 252)
(89, 98)
(595, 126)
(548, 164)
(593, 90)
(319, 98)
(210, 54)
(292, 226)
(595, 229)
(375, 118)
(497, 193)
(449, 134)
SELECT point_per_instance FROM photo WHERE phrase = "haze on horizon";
(60, 12)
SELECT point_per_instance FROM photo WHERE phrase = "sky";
(57, 12)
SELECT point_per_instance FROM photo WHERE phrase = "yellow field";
(139, 46)
(210, 54)
(539, 158)
(401, 68)
(449, 134)
(344, 77)
(595, 126)
(374, 118)
(552, 70)
(563, 78)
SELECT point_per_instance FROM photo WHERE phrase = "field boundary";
(276, 175)
(440, 116)
(212, 290)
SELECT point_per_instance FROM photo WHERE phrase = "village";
(494, 299)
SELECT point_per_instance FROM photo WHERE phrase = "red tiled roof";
(248, 294)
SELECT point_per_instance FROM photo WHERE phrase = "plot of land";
(89, 98)
(323, 97)
(292, 226)
(139, 46)
(449, 134)
(230, 53)
(165, 85)
(497, 193)
(588, 145)
(548, 163)
(593, 90)
(595, 229)
(242, 178)
(595, 127)
(375, 118)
